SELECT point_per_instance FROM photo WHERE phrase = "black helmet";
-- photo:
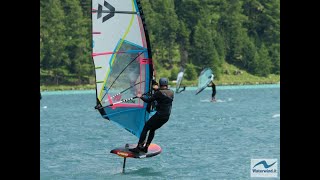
(163, 82)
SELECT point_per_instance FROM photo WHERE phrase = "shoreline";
(193, 88)
(92, 87)
(244, 78)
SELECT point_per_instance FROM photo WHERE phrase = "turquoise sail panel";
(204, 79)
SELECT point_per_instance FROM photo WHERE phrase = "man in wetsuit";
(211, 84)
(164, 98)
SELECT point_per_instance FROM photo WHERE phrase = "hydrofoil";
(124, 152)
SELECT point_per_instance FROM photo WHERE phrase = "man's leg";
(160, 121)
(213, 98)
(153, 120)
(143, 134)
(150, 136)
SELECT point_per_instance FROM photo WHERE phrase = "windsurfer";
(134, 72)
(211, 84)
(155, 87)
(164, 98)
(179, 80)
(183, 89)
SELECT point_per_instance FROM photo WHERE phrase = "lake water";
(202, 140)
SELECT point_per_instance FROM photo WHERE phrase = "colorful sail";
(122, 58)
(179, 80)
(204, 79)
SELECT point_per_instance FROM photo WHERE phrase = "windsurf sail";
(123, 64)
(179, 80)
(204, 79)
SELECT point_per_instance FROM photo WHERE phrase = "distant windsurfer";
(211, 84)
(164, 98)
(155, 87)
(183, 89)
(134, 72)
(179, 80)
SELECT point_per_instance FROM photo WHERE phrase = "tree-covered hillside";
(190, 33)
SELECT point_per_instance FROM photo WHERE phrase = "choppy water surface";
(202, 140)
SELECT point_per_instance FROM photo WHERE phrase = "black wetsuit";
(213, 90)
(164, 98)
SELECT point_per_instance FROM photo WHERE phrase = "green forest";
(193, 34)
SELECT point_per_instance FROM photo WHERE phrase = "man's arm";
(150, 99)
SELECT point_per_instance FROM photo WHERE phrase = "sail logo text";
(264, 168)
(100, 11)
